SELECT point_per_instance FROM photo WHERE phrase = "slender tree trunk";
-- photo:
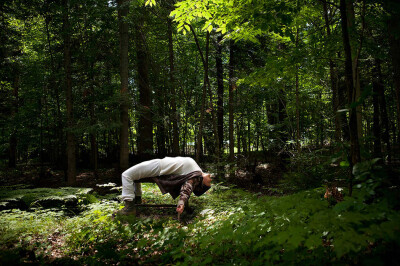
(239, 134)
(175, 114)
(93, 134)
(232, 88)
(342, 115)
(55, 86)
(297, 100)
(145, 125)
(161, 134)
(199, 153)
(382, 106)
(206, 83)
(351, 94)
(281, 117)
(394, 43)
(211, 103)
(132, 143)
(12, 159)
(71, 152)
(355, 46)
(376, 116)
(123, 9)
(220, 91)
(333, 77)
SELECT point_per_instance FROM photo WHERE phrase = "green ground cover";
(229, 226)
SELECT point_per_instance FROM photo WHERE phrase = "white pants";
(142, 170)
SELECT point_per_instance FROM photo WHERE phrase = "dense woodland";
(308, 89)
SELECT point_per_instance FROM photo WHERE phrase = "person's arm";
(186, 190)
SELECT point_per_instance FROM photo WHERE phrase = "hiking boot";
(129, 209)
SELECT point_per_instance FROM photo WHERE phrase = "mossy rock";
(104, 189)
(69, 201)
(13, 204)
(42, 197)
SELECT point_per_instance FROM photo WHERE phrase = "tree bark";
(199, 152)
(145, 125)
(376, 116)
(12, 159)
(232, 88)
(220, 91)
(206, 83)
(60, 147)
(175, 114)
(123, 9)
(394, 43)
(351, 94)
(333, 78)
(93, 133)
(71, 149)
(297, 99)
(382, 106)
(355, 46)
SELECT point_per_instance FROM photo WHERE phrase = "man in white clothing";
(179, 176)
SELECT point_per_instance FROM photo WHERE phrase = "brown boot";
(129, 209)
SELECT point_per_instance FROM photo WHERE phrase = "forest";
(293, 106)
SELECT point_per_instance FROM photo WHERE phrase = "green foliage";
(229, 226)
(310, 169)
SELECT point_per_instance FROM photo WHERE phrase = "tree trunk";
(232, 88)
(93, 134)
(297, 99)
(161, 134)
(382, 106)
(281, 117)
(351, 94)
(220, 91)
(12, 159)
(333, 77)
(394, 43)
(211, 103)
(376, 116)
(206, 83)
(71, 152)
(355, 48)
(123, 9)
(145, 125)
(175, 114)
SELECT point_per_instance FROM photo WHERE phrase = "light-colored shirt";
(178, 166)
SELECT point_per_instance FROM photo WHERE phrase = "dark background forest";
(276, 97)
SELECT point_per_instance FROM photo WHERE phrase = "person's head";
(207, 179)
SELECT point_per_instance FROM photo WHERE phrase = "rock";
(55, 201)
(104, 189)
(9, 204)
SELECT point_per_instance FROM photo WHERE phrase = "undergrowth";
(229, 226)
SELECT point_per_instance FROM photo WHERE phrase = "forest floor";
(229, 225)
(264, 179)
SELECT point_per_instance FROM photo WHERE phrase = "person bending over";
(178, 176)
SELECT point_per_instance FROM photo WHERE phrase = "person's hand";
(179, 209)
